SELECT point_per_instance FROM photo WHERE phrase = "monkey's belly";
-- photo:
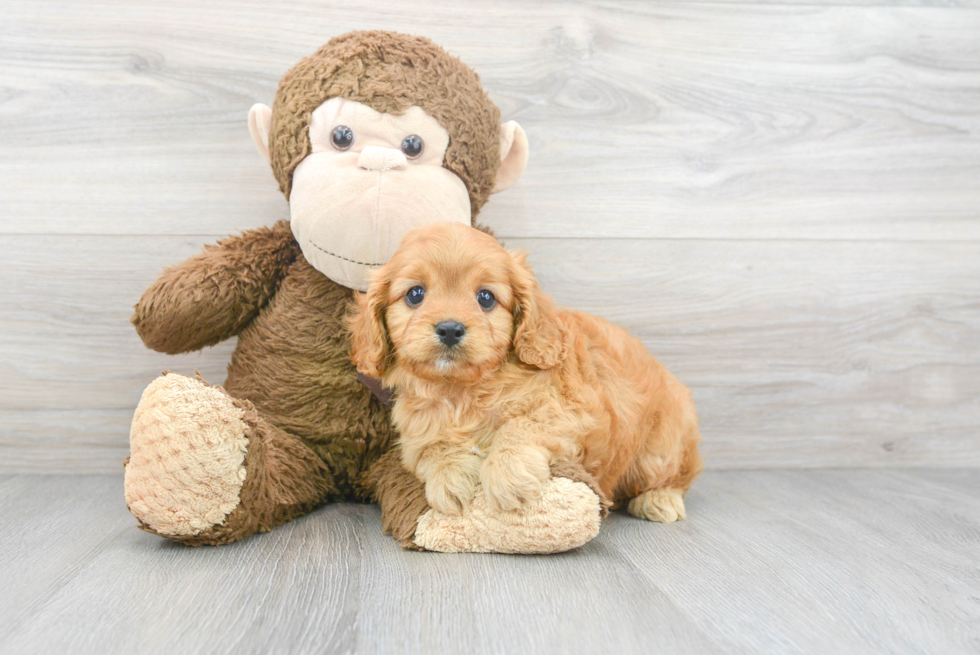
(293, 363)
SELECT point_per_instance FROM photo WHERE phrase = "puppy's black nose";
(450, 332)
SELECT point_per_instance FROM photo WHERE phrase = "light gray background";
(782, 199)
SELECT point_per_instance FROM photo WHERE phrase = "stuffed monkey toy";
(374, 134)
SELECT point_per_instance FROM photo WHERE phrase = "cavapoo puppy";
(493, 383)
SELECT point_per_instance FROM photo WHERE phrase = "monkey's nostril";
(450, 332)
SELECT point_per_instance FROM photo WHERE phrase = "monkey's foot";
(664, 505)
(565, 516)
(187, 456)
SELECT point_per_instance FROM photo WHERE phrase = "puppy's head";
(453, 304)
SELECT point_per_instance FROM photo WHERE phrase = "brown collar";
(382, 393)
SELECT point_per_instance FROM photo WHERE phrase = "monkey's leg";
(207, 469)
(565, 516)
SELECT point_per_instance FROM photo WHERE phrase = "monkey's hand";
(214, 295)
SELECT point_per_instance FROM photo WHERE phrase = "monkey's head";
(375, 134)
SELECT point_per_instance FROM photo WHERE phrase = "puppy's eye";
(342, 137)
(486, 299)
(415, 296)
(412, 146)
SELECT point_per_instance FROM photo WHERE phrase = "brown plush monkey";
(372, 135)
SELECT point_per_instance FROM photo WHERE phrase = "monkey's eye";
(342, 137)
(412, 146)
(486, 299)
(415, 296)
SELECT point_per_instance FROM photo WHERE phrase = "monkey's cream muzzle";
(349, 220)
(351, 205)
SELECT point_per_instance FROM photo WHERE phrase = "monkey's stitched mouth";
(346, 259)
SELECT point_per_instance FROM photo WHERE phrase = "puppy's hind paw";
(664, 505)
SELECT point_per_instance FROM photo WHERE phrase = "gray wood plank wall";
(782, 199)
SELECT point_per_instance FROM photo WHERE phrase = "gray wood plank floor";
(769, 561)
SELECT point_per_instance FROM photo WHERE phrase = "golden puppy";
(493, 383)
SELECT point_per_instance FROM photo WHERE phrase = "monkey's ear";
(513, 155)
(260, 126)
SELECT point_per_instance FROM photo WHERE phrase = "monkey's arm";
(214, 295)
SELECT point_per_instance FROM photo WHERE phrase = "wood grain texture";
(769, 562)
(645, 119)
(948, 4)
(780, 198)
(799, 353)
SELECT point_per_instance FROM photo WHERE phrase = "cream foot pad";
(187, 456)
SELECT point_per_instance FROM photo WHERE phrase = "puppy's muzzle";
(450, 332)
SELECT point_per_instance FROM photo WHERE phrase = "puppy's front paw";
(450, 489)
(511, 478)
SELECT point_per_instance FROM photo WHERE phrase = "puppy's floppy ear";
(538, 339)
(371, 347)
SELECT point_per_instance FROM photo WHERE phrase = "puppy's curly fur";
(525, 385)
